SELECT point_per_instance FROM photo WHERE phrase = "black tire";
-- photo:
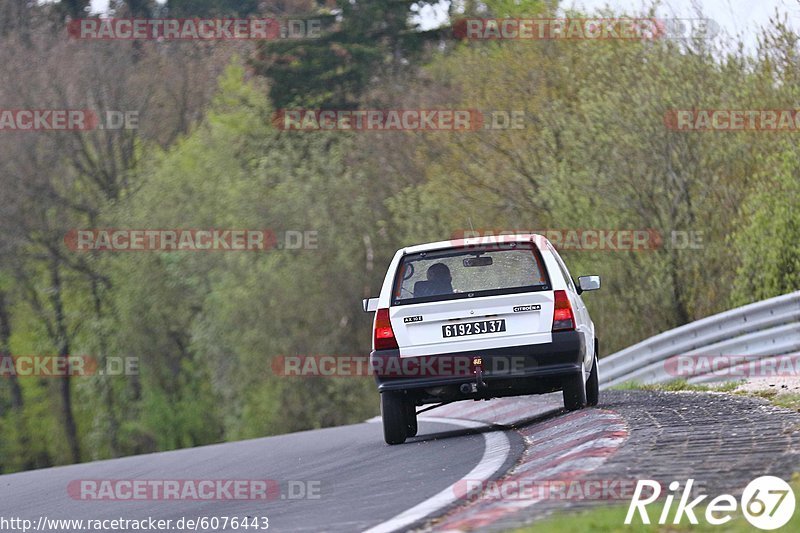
(593, 385)
(574, 392)
(411, 419)
(393, 412)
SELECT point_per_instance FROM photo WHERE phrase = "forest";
(582, 134)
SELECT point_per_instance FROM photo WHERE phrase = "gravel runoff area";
(779, 384)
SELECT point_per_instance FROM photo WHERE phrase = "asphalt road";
(722, 441)
(360, 482)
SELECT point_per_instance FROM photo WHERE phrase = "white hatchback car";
(479, 319)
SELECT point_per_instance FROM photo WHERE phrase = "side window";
(563, 269)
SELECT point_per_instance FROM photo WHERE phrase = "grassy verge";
(611, 519)
(787, 400)
(678, 385)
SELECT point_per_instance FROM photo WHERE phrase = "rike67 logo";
(767, 503)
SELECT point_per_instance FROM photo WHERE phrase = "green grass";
(678, 385)
(787, 401)
(611, 519)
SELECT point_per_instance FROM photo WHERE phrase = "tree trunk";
(106, 383)
(63, 346)
(5, 351)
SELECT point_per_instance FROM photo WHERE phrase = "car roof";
(474, 241)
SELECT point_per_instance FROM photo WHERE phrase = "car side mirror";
(369, 304)
(588, 283)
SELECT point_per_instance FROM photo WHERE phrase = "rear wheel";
(411, 419)
(593, 385)
(393, 412)
(574, 392)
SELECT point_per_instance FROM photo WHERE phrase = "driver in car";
(439, 279)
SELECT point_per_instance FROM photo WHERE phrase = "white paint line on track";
(495, 453)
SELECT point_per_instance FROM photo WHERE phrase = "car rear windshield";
(469, 272)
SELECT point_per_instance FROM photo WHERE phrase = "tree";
(766, 242)
(211, 8)
(68, 293)
(135, 8)
(595, 152)
(360, 43)
(74, 8)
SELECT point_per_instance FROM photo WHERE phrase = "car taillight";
(562, 315)
(383, 338)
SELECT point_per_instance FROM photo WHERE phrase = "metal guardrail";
(760, 330)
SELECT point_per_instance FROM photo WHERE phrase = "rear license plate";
(474, 328)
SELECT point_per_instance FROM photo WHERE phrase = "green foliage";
(595, 153)
(513, 8)
(207, 328)
(229, 315)
(358, 42)
(789, 401)
(679, 385)
(767, 240)
(211, 8)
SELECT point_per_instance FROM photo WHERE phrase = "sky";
(734, 16)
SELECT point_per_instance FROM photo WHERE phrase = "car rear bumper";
(507, 371)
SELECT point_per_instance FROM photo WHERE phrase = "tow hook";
(479, 384)
(477, 364)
